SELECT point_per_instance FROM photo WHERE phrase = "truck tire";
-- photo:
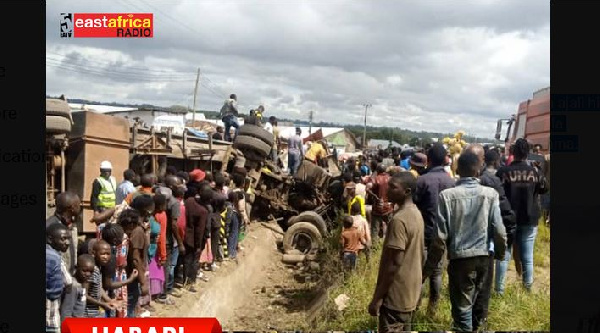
(58, 125)
(257, 132)
(302, 236)
(312, 218)
(57, 107)
(253, 155)
(245, 143)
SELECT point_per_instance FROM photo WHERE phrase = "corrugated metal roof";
(99, 108)
(383, 143)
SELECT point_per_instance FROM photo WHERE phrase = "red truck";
(531, 122)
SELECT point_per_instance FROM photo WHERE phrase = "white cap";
(106, 165)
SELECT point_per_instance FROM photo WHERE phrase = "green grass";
(515, 310)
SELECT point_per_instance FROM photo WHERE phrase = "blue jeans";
(230, 121)
(524, 239)
(133, 295)
(293, 162)
(232, 236)
(172, 256)
(349, 260)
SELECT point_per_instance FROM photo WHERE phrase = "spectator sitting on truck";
(258, 113)
(229, 114)
(218, 135)
(126, 186)
(104, 189)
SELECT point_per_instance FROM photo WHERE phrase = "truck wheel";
(245, 143)
(302, 236)
(310, 217)
(257, 132)
(57, 107)
(58, 125)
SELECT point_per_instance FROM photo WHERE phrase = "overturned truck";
(305, 206)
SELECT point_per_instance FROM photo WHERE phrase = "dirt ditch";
(257, 293)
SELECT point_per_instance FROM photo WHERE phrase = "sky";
(439, 66)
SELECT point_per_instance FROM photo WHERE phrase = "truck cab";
(531, 122)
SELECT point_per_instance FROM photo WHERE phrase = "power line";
(120, 72)
(179, 20)
(121, 76)
(145, 69)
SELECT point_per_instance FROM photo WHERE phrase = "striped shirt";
(95, 292)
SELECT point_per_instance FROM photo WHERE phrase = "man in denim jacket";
(469, 224)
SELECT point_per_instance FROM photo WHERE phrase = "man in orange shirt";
(147, 183)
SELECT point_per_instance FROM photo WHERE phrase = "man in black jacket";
(429, 186)
(490, 161)
(523, 183)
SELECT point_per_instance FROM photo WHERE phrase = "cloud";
(433, 66)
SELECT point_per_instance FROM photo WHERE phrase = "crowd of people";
(155, 237)
(414, 206)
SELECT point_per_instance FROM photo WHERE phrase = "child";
(157, 252)
(360, 223)
(350, 239)
(114, 275)
(74, 301)
(96, 296)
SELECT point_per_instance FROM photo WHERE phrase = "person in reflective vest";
(104, 189)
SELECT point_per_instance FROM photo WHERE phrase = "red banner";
(112, 25)
(141, 325)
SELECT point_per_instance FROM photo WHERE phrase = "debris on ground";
(342, 302)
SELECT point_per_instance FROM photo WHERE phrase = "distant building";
(383, 144)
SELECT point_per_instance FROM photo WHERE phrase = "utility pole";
(195, 92)
(310, 119)
(365, 129)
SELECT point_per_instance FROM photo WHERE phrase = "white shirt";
(269, 127)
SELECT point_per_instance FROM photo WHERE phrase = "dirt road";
(257, 293)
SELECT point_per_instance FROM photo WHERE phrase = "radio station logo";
(107, 25)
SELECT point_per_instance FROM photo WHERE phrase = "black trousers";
(394, 321)
(191, 264)
(482, 303)
(465, 282)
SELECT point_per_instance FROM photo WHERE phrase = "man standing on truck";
(295, 152)
(229, 114)
(270, 126)
(104, 189)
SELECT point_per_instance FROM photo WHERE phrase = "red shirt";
(382, 206)
(510, 159)
(161, 218)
